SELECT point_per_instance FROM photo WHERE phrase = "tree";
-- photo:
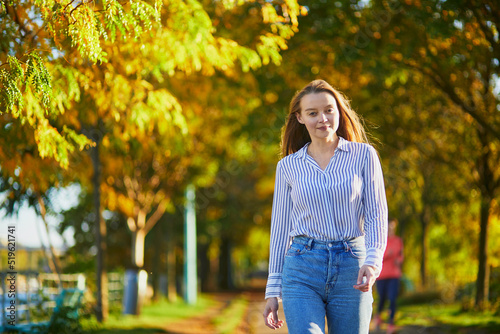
(142, 188)
(40, 39)
(120, 87)
(42, 33)
(38, 34)
(460, 56)
(25, 180)
(378, 50)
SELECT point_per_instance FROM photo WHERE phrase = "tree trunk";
(138, 238)
(225, 265)
(424, 222)
(158, 256)
(100, 230)
(488, 188)
(204, 262)
(214, 265)
(56, 264)
(482, 283)
(171, 265)
(46, 255)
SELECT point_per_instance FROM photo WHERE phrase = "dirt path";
(253, 323)
(202, 323)
(254, 318)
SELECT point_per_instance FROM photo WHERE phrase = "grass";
(152, 319)
(231, 317)
(446, 316)
(418, 314)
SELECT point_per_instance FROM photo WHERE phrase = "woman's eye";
(330, 110)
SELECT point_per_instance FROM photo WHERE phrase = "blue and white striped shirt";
(344, 201)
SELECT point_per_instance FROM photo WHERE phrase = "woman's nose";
(323, 117)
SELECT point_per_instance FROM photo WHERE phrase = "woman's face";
(392, 228)
(320, 115)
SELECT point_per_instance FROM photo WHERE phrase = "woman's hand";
(271, 314)
(369, 273)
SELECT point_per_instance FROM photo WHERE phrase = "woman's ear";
(299, 117)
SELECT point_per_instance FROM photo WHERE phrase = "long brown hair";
(295, 135)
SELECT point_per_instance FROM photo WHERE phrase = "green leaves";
(85, 33)
(27, 94)
(42, 33)
(87, 23)
(47, 37)
(10, 94)
(40, 78)
(162, 110)
(139, 17)
(16, 76)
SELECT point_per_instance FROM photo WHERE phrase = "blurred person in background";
(329, 218)
(388, 281)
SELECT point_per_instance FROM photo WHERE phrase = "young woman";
(329, 218)
(388, 280)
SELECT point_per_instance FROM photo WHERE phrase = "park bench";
(67, 306)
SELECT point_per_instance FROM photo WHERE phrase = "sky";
(30, 229)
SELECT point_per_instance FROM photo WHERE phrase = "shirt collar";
(342, 145)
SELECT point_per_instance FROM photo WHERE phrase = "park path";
(254, 319)
(253, 323)
(202, 323)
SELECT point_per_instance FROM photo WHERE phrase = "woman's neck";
(326, 146)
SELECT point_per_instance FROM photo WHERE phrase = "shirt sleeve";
(280, 232)
(375, 205)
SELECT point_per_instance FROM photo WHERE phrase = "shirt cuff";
(374, 258)
(273, 287)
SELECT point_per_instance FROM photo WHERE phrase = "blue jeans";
(388, 288)
(318, 279)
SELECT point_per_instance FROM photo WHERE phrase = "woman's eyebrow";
(327, 106)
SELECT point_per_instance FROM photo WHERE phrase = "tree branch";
(488, 34)
(129, 187)
(448, 90)
(141, 219)
(65, 7)
(160, 210)
(131, 224)
(81, 3)
(16, 19)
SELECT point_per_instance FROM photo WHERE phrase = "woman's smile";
(320, 115)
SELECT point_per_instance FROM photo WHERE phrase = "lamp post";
(190, 270)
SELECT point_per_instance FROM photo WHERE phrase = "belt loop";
(346, 245)
(310, 243)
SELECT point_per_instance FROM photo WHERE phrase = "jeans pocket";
(296, 249)
(357, 252)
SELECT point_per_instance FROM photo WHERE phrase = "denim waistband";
(332, 244)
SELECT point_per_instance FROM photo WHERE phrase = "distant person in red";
(388, 281)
